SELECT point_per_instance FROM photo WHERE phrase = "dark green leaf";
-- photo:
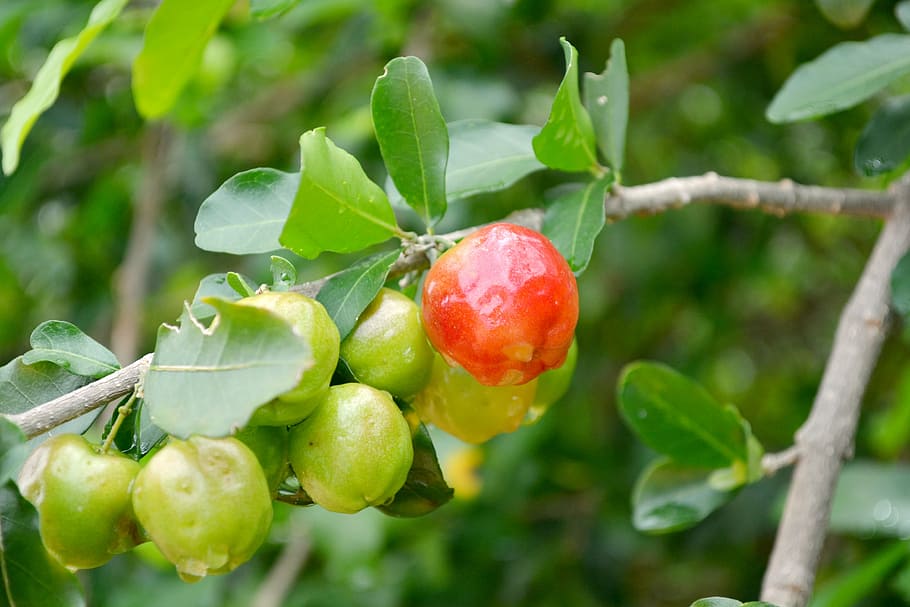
(266, 9)
(872, 499)
(175, 37)
(246, 214)
(574, 219)
(32, 578)
(884, 144)
(716, 601)
(607, 100)
(841, 77)
(412, 135)
(888, 430)
(346, 294)
(209, 381)
(239, 284)
(850, 587)
(23, 387)
(138, 435)
(675, 416)
(425, 489)
(64, 344)
(566, 141)
(844, 13)
(284, 274)
(10, 438)
(900, 287)
(213, 285)
(337, 207)
(902, 12)
(46, 86)
(670, 497)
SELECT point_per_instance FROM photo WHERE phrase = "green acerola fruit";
(83, 500)
(354, 451)
(553, 384)
(387, 348)
(205, 503)
(270, 445)
(312, 322)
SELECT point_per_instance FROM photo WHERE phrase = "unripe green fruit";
(83, 500)
(205, 503)
(387, 348)
(270, 445)
(312, 322)
(553, 384)
(354, 451)
(455, 402)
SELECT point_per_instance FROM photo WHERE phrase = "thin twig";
(772, 463)
(281, 577)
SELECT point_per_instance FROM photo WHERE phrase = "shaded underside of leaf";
(23, 387)
(607, 101)
(884, 144)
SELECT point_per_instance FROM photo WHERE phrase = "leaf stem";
(123, 411)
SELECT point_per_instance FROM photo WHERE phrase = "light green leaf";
(677, 417)
(607, 100)
(11, 437)
(670, 497)
(900, 286)
(266, 9)
(884, 144)
(23, 387)
(716, 601)
(566, 141)
(337, 207)
(574, 219)
(31, 577)
(284, 274)
(841, 77)
(853, 585)
(412, 135)
(346, 294)
(872, 499)
(888, 430)
(64, 344)
(902, 12)
(239, 284)
(246, 214)
(209, 381)
(844, 13)
(175, 37)
(213, 285)
(46, 86)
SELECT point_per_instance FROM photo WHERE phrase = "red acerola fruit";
(503, 304)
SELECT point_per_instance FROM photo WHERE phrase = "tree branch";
(827, 436)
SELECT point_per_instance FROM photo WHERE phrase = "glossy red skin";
(503, 304)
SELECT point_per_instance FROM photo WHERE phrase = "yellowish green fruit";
(354, 451)
(553, 384)
(388, 348)
(205, 503)
(459, 404)
(83, 500)
(270, 444)
(311, 322)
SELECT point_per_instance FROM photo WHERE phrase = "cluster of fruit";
(499, 309)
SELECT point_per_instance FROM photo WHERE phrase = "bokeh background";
(96, 227)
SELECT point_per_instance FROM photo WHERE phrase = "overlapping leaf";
(65, 345)
(607, 101)
(884, 144)
(575, 218)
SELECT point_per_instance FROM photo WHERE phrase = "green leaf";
(64, 344)
(412, 135)
(675, 416)
(213, 285)
(245, 215)
(425, 489)
(900, 287)
(902, 12)
(138, 435)
(670, 497)
(11, 437)
(175, 37)
(239, 284)
(23, 387)
(266, 9)
(284, 274)
(851, 586)
(46, 85)
(884, 144)
(844, 13)
(872, 499)
(841, 77)
(888, 430)
(32, 577)
(716, 601)
(607, 100)
(574, 219)
(346, 294)
(337, 207)
(209, 381)
(566, 141)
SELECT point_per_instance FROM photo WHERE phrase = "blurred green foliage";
(743, 302)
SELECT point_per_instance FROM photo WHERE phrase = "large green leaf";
(64, 344)
(412, 135)
(902, 12)
(246, 214)
(46, 86)
(175, 37)
(850, 587)
(209, 381)
(677, 417)
(607, 100)
(337, 207)
(670, 497)
(31, 577)
(566, 141)
(266, 9)
(23, 387)
(346, 294)
(841, 77)
(872, 499)
(574, 219)
(884, 144)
